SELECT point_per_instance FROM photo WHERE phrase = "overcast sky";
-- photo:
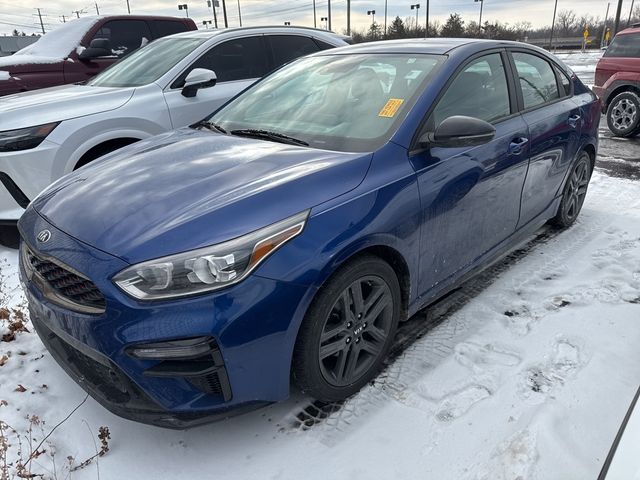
(23, 15)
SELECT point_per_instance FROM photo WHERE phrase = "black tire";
(354, 342)
(623, 114)
(575, 191)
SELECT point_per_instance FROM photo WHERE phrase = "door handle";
(573, 120)
(517, 144)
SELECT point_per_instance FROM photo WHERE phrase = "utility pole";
(348, 17)
(604, 27)
(224, 13)
(630, 13)
(480, 21)
(128, 8)
(239, 13)
(426, 25)
(617, 24)
(97, 11)
(329, 13)
(78, 12)
(315, 25)
(553, 24)
(41, 24)
(64, 18)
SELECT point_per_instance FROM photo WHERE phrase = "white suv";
(47, 133)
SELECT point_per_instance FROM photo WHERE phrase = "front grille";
(68, 288)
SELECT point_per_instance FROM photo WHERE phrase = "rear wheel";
(348, 330)
(623, 114)
(575, 192)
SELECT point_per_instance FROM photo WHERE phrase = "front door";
(238, 63)
(471, 196)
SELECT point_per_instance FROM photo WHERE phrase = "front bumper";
(23, 175)
(254, 325)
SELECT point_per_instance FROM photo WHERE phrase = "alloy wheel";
(356, 330)
(577, 189)
(623, 114)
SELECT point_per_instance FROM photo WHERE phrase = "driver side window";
(479, 91)
(124, 36)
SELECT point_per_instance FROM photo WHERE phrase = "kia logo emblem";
(44, 236)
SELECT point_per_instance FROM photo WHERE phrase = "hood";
(188, 189)
(17, 63)
(58, 103)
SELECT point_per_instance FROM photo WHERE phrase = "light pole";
(287, 23)
(416, 7)
(239, 13)
(385, 18)
(206, 22)
(553, 24)
(128, 7)
(373, 14)
(630, 13)
(426, 25)
(324, 19)
(315, 25)
(213, 4)
(329, 14)
(480, 21)
(185, 7)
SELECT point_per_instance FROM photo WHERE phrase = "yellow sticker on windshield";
(391, 107)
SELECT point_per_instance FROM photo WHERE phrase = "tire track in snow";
(432, 334)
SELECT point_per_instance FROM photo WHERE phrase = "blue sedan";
(284, 237)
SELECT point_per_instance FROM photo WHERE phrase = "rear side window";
(238, 59)
(537, 79)
(479, 91)
(124, 36)
(627, 45)
(162, 28)
(289, 47)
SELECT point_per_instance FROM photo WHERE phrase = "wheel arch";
(103, 148)
(621, 88)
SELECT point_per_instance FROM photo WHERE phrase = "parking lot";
(525, 372)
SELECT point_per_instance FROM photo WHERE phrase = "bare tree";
(567, 22)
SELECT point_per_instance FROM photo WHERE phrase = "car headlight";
(25, 138)
(208, 268)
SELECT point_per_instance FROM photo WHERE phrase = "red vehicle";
(617, 83)
(82, 48)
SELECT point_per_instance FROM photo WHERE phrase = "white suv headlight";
(208, 268)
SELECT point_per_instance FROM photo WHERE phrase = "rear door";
(285, 48)
(471, 196)
(554, 121)
(238, 63)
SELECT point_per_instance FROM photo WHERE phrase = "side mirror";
(196, 79)
(99, 47)
(460, 131)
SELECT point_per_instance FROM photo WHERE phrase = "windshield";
(147, 64)
(335, 102)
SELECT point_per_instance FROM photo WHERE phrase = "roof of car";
(635, 28)
(435, 46)
(207, 33)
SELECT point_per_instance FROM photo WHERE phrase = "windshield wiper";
(211, 126)
(273, 136)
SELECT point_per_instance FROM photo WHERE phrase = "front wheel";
(574, 193)
(348, 330)
(623, 114)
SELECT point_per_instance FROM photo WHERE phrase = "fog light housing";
(174, 349)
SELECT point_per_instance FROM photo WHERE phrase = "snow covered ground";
(525, 374)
